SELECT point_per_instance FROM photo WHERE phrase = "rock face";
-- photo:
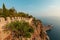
(39, 32)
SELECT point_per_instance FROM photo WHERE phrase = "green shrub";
(20, 28)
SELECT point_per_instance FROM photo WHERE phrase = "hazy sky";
(35, 7)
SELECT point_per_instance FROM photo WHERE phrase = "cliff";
(39, 29)
(10, 15)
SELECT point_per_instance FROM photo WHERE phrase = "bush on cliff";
(20, 29)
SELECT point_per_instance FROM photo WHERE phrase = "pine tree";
(5, 12)
(4, 8)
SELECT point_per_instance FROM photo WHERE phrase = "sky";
(36, 8)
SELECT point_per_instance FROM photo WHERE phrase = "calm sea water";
(54, 34)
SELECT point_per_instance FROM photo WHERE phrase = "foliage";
(12, 13)
(19, 29)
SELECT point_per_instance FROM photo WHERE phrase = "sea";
(54, 33)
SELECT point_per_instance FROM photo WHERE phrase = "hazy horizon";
(37, 8)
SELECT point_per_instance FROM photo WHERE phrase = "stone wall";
(8, 20)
